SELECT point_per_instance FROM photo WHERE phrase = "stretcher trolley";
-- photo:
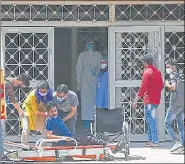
(40, 153)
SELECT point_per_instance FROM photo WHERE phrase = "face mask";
(60, 99)
(90, 48)
(103, 66)
(42, 94)
(169, 70)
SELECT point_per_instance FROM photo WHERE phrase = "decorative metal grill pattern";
(55, 12)
(129, 48)
(174, 48)
(135, 117)
(28, 53)
(97, 35)
(150, 12)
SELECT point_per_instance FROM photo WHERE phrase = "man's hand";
(167, 83)
(46, 114)
(134, 105)
(65, 138)
(21, 113)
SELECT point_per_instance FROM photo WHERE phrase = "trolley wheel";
(109, 158)
(126, 156)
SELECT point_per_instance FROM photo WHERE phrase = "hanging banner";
(2, 95)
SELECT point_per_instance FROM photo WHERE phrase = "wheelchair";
(110, 125)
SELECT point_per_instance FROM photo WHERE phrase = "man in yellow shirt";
(34, 107)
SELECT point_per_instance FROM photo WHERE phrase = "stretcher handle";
(40, 142)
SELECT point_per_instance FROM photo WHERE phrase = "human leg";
(170, 116)
(172, 113)
(25, 130)
(2, 139)
(72, 123)
(149, 130)
(151, 116)
(180, 123)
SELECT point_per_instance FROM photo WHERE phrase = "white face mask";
(169, 70)
(103, 66)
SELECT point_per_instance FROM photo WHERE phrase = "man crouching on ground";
(57, 129)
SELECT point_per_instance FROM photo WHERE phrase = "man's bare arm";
(71, 114)
(51, 136)
(171, 87)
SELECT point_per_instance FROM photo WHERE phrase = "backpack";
(179, 96)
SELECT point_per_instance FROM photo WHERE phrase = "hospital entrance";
(69, 43)
(51, 54)
(44, 41)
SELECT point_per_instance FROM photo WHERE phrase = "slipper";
(147, 144)
(154, 145)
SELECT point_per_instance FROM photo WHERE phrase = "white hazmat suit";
(87, 69)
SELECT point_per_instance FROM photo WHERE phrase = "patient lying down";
(57, 129)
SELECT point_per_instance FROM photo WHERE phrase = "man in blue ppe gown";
(102, 85)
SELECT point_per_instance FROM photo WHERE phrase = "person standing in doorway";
(150, 90)
(66, 102)
(87, 69)
(174, 110)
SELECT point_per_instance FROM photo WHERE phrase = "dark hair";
(148, 58)
(62, 88)
(171, 61)
(43, 85)
(50, 105)
(24, 78)
(149, 62)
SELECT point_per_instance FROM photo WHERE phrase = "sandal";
(147, 144)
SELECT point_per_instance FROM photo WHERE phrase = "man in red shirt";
(150, 90)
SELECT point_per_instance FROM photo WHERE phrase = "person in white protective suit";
(87, 69)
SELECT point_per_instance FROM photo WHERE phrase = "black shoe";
(119, 147)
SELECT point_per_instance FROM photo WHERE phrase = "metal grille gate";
(125, 71)
(27, 50)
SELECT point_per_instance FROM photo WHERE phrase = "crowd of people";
(54, 114)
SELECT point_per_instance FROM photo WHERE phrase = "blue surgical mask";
(42, 94)
(60, 99)
(90, 47)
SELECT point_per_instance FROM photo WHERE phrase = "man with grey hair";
(150, 90)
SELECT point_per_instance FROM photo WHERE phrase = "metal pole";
(0, 81)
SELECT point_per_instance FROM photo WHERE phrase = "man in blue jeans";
(173, 110)
(150, 90)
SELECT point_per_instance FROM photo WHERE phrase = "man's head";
(147, 59)
(62, 92)
(171, 66)
(51, 109)
(21, 80)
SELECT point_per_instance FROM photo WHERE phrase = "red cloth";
(152, 85)
(2, 91)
